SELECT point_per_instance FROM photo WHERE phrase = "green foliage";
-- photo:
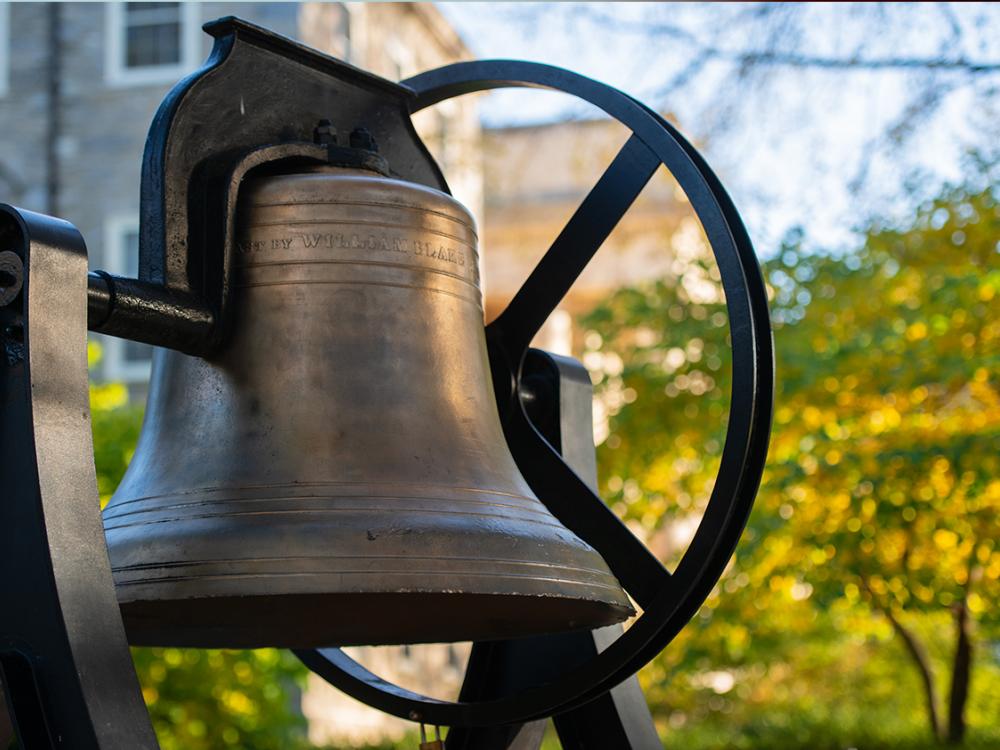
(408, 742)
(214, 699)
(199, 699)
(881, 493)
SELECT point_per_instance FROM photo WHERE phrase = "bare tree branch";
(770, 56)
(767, 57)
(961, 672)
(916, 651)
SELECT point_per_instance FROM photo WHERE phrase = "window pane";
(138, 14)
(152, 34)
(140, 7)
(157, 44)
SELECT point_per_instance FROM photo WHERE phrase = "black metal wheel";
(668, 599)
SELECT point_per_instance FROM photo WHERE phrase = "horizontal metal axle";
(149, 313)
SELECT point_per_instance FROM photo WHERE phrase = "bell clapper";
(436, 744)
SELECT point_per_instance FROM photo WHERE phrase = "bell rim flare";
(208, 602)
(229, 622)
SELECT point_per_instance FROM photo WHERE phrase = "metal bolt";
(325, 134)
(361, 138)
(11, 277)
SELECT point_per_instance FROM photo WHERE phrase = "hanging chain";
(436, 744)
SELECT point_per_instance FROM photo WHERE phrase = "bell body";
(337, 474)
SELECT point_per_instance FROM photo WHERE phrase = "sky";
(796, 147)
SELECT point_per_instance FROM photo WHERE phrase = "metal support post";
(68, 677)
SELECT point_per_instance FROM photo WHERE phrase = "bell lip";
(375, 619)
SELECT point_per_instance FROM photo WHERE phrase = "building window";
(150, 42)
(125, 361)
(4, 48)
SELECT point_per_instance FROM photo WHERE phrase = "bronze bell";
(337, 475)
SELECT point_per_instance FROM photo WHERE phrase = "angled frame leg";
(620, 718)
(67, 672)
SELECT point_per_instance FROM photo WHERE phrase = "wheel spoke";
(576, 244)
(581, 511)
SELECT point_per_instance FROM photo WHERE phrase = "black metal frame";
(190, 181)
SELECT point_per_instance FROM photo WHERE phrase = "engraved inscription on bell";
(444, 251)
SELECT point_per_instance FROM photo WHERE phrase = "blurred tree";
(210, 699)
(199, 699)
(899, 471)
(882, 489)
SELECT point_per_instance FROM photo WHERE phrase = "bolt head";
(325, 133)
(361, 138)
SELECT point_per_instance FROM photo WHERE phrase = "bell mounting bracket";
(256, 102)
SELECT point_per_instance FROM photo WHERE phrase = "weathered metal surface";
(11, 276)
(337, 474)
(63, 657)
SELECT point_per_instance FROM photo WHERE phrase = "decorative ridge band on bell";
(338, 474)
